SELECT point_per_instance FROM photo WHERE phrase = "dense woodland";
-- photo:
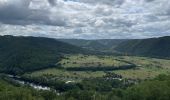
(153, 47)
(21, 54)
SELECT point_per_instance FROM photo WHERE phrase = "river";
(33, 85)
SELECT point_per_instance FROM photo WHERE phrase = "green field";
(147, 62)
(146, 67)
(90, 61)
(79, 61)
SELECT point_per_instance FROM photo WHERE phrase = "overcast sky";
(88, 19)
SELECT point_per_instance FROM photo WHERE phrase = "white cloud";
(85, 18)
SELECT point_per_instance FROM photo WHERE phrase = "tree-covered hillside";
(155, 47)
(97, 45)
(20, 54)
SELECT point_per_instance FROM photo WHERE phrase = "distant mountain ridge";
(107, 45)
(152, 47)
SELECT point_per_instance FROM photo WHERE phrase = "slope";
(155, 47)
(20, 54)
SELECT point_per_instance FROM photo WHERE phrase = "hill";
(154, 47)
(20, 54)
(102, 45)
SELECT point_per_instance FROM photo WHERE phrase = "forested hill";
(154, 47)
(20, 54)
(96, 45)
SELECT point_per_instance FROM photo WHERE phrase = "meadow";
(90, 61)
(147, 68)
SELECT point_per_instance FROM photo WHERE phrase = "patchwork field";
(91, 61)
(147, 62)
(146, 67)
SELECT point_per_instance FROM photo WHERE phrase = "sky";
(85, 19)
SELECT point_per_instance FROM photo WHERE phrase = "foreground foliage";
(156, 89)
(16, 92)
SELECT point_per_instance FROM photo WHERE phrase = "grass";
(141, 73)
(90, 61)
(147, 67)
(147, 62)
(68, 75)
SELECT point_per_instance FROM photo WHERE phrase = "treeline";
(123, 67)
(96, 84)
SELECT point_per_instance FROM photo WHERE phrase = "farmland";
(147, 68)
(90, 61)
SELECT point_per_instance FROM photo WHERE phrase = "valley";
(63, 71)
(145, 68)
(84, 49)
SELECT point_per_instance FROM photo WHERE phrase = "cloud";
(105, 2)
(52, 2)
(24, 12)
(85, 18)
(13, 11)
